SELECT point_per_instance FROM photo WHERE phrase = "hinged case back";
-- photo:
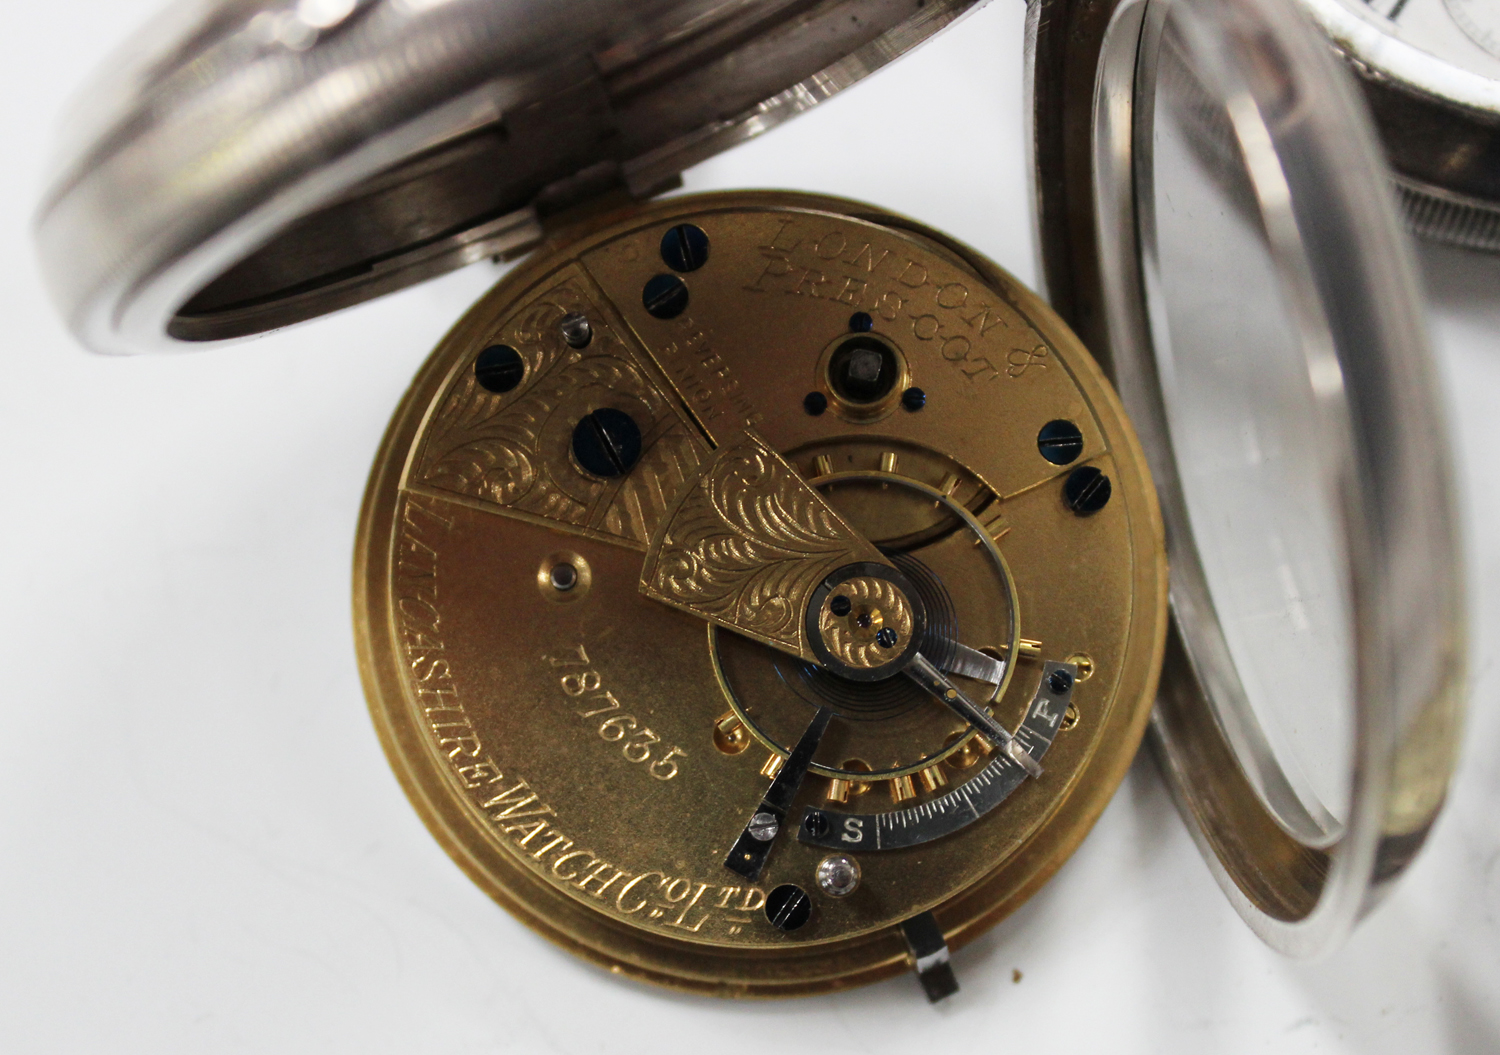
(246, 165)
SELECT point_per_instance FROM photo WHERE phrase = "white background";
(201, 846)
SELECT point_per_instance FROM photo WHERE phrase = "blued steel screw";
(1086, 491)
(684, 247)
(665, 296)
(607, 442)
(499, 368)
(1060, 442)
(788, 907)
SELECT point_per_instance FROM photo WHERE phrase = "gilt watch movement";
(751, 576)
(761, 593)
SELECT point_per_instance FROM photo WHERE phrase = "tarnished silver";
(1224, 235)
(243, 166)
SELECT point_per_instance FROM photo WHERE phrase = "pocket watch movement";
(762, 593)
(753, 585)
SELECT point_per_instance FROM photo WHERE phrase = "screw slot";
(1060, 442)
(607, 442)
(499, 368)
(684, 247)
(1060, 681)
(763, 827)
(816, 825)
(665, 296)
(788, 907)
(913, 399)
(1086, 491)
(841, 606)
(886, 638)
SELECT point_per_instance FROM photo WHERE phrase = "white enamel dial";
(1449, 48)
(1430, 72)
(1480, 21)
(1464, 33)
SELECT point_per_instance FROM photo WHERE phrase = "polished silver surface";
(576, 329)
(242, 166)
(971, 663)
(763, 827)
(838, 875)
(996, 735)
(1245, 275)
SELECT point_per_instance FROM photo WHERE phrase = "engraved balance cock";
(748, 545)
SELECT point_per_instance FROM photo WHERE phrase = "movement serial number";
(638, 744)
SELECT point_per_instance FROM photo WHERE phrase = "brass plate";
(571, 750)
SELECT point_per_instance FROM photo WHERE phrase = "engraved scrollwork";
(512, 450)
(749, 544)
(874, 604)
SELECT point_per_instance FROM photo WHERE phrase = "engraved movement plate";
(590, 754)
